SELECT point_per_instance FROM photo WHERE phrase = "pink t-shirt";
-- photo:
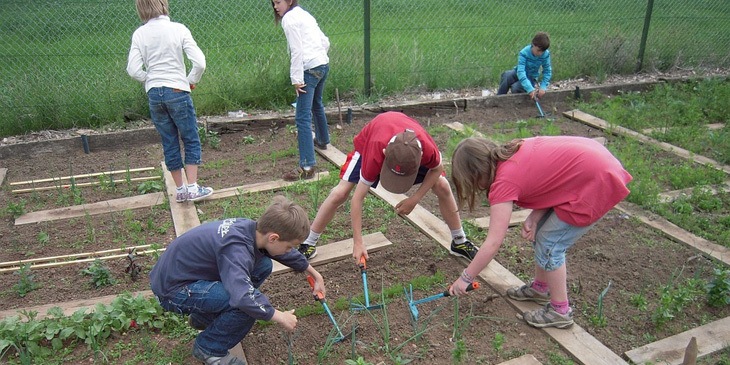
(375, 136)
(577, 177)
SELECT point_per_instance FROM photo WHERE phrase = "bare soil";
(620, 251)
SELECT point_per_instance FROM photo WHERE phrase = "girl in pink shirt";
(568, 182)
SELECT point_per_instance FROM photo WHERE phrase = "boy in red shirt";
(393, 149)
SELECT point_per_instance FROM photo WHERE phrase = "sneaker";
(309, 251)
(181, 197)
(319, 146)
(203, 192)
(299, 174)
(196, 323)
(548, 317)
(466, 249)
(526, 293)
(229, 359)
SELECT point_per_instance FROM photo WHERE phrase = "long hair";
(475, 160)
(288, 220)
(292, 4)
(150, 9)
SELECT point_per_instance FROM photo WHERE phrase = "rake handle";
(473, 286)
(318, 296)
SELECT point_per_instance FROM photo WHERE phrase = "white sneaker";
(203, 192)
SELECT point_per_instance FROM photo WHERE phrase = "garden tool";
(413, 303)
(320, 298)
(364, 271)
(537, 102)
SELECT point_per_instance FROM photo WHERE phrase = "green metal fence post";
(644, 34)
(366, 46)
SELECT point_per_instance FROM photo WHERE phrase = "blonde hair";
(150, 9)
(475, 159)
(288, 220)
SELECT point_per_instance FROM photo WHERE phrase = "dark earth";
(620, 251)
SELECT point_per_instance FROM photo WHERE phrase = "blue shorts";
(552, 240)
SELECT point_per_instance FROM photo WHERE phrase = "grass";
(64, 69)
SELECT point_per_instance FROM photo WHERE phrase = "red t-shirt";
(374, 137)
(577, 177)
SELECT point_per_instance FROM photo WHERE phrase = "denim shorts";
(552, 240)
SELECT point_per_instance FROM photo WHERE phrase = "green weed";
(26, 283)
(718, 289)
(15, 210)
(100, 274)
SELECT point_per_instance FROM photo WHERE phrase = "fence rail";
(64, 60)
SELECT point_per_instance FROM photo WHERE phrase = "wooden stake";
(81, 176)
(690, 354)
(79, 261)
(66, 257)
(339, 111)
(19, 191)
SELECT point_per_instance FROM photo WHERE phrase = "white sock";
(312, 238)
(307, 168)
(458, 235)
(181, 189)
(193, 188)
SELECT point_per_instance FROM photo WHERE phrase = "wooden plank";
(334, 252)
(711, 337)
(108, 206)
(528, 359)
(3, 172)
(184, 215)
(330, 252)
(712, 127)
(673, 195)
(263, 186)
(518, 216)
(676, 233)
(602, 124)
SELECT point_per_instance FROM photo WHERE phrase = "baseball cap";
(402, 161)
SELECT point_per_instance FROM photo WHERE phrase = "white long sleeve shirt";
(156, 55)
(308, 46)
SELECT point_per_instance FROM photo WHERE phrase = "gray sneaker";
(181, 197)
(525, 293)
(203, 192)
(548, 317)
(229, 359)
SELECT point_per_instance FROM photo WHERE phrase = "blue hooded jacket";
(528, 69)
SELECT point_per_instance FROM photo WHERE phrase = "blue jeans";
(509, 81)
(207, 303)
(553, 238)
(173, 113)
(310, 106)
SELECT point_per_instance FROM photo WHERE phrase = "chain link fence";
(64, 60)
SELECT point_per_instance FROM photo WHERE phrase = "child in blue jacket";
(213, 272)
(524, 77)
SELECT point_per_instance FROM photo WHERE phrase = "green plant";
(674, 298)
(16, 209)
(718, 289)
(150, 186)
(26, 283)
(100, 274)
(599, 319)
(498, 342)
(358, 361)
(43, 237)
(209, 138)
(639, 301)
(249, 139)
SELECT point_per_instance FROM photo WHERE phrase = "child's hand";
(300, 88)
(405, 206)
(533, 94)
(192, 87)
(540, 93)
(286, 319)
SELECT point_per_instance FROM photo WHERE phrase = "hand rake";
(413, 303)
(320, 298)
(364, 271)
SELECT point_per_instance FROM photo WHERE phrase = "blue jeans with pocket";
(311, 108)
(553, 238)
(208, 303)
(173, 114)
